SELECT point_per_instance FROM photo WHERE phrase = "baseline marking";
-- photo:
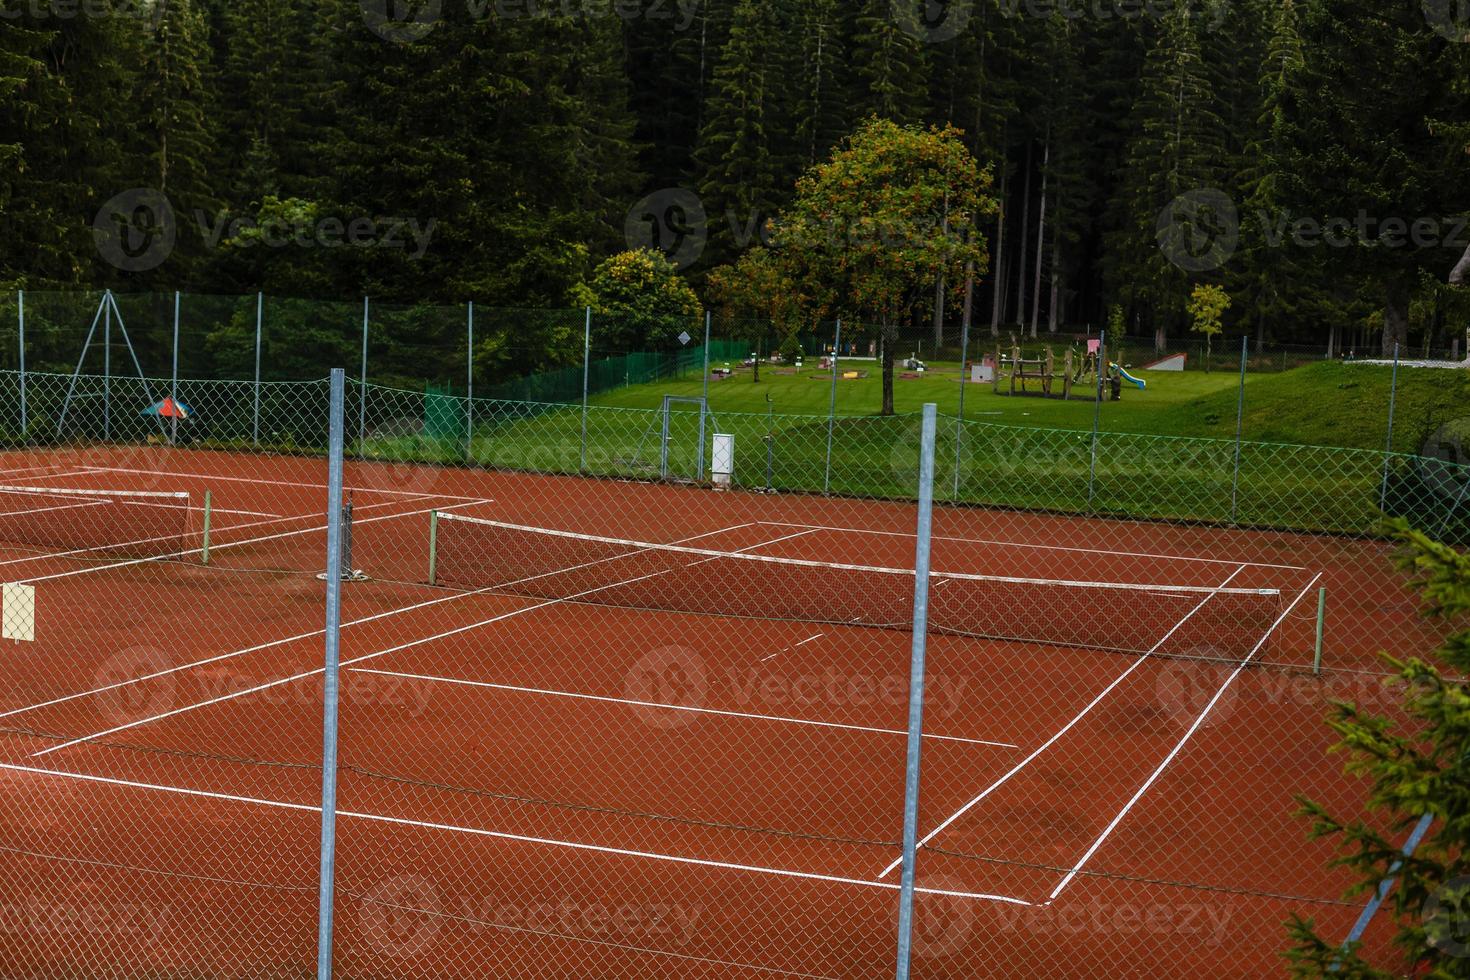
(1068, 727)
(502, 835)
(287, 483)
(1077, 868)
(673, 707)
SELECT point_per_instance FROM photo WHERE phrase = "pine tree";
(888, 64)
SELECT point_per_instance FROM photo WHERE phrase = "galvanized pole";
(832, 405)
(1393, 394)
(259, 313)
(704, 403)
(586, 369)
(916, 691)
(362, 389)
(1102, 360)
(469, 402)
(21, 300)
(173, 388)
(331, 690)
(107, 368)
(1239, 431)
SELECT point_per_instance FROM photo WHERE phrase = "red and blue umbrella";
(169, 408)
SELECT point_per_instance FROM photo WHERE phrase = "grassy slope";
(1328, 404)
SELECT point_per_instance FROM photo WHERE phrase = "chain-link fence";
(628, 691)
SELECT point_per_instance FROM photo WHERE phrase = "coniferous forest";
(499, 150)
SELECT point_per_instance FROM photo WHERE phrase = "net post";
(916, 691)
(1393, 393)
(433, 547)
(20, 299)
(259, 316)
(1321, 628)
(1239, 432)
(586, 370)
(832, 405)
(331, 683)
(208, 515)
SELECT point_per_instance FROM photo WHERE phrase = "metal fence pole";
(469, 402)
(362, 388)
(704, 404)
(1239, 431)
(586, 376)
(959, 423)
(331, 690)
(832, 405)
(916, 691)
(173, 386)
(1102, 367)
(20, 295)
(107, 367)
(259, 315)
(1393, 394)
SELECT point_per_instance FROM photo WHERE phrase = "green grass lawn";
(1326, 404)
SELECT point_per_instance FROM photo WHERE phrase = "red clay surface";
(540, 788)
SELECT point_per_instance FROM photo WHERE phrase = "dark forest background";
(524, 135)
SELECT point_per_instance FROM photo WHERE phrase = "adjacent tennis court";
(677, 715)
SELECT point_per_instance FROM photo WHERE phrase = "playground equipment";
(1138, 383)
(1076, 377)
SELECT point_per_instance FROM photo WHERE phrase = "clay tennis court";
(624, 761)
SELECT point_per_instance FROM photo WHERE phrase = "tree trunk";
(1460, 275)
(1021, 246)
(1041, 234)
(998, 301)
(1395, 318)
(1332, 343)
(1053, 314)
(889, 340)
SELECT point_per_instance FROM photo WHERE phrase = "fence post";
(586, 375)
(107, 368)
(259, 314)
(469, 401)
(704, 404)
(1102, 367)
(362, 388)
(916, 691)
(330, 688)
(832, 405)
(173, 386)
(21, 303)
(1239, 431)
(959, 424)
(1393, 395)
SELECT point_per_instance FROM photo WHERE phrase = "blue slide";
(1141, 384)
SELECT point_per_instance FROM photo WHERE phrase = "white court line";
(291, 639)
(287, 483)
(800, 644)
(780, 719)
(1041, 547)
(1053, 740)
(1077, 868)
(502, 835)
(380, 653)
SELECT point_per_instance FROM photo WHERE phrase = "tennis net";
(1194, 622)
(102, 524)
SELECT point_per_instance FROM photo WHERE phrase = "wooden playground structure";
(1039, 377)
